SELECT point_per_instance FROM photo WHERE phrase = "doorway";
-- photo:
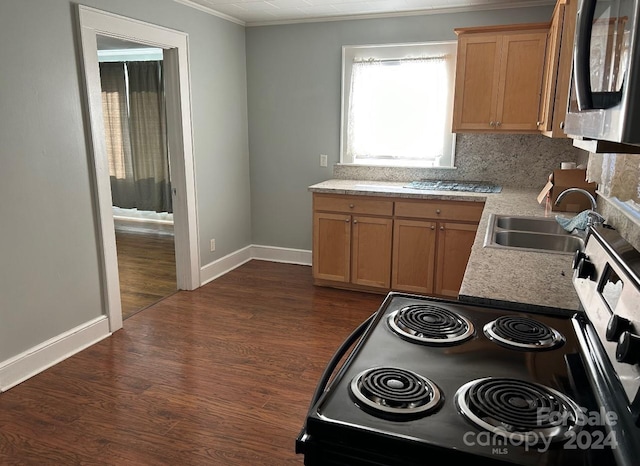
(174, 44)
(133, 109)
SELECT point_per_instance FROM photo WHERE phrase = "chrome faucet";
(593, 217)
(578, 190)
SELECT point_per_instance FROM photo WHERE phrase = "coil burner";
(395, 393)
(523, 333)
(518, 410)
(430, 325)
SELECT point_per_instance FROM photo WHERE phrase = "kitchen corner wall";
(294, 89)
(618, 178)
(516, 160)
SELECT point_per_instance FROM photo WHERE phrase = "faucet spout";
(592, 199)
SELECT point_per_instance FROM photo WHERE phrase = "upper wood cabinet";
(499, 73)
(558, 65)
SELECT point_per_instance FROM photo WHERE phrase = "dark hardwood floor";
(146, 264)
(218, 376)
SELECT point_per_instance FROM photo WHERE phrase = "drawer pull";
(438, 211)
(351, 206)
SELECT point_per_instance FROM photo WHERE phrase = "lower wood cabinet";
(371, 251)
(454, 247)
(331, 247)
(352, 249)
(392, 244)
(414, 256)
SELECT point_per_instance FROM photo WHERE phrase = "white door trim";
(175, 44)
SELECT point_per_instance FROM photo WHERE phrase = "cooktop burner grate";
(523, 333)
(518, 410)
(395, 393)
(430, 325)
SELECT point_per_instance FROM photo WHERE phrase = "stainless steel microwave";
(604, 100)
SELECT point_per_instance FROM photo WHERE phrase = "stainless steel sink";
(532, 224)
(540, 234)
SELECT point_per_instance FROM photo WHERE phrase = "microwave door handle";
(582, 55)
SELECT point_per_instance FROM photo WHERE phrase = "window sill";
(389, 166)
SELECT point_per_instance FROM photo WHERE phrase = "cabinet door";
(477, 78)
(454, 247)
(565, 16)
(414, 247)
(519, 91)
(331, 246)
(552, 59)
(371, 251)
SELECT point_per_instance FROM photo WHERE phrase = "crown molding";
(210, 11)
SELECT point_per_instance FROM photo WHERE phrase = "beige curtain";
(135, 128)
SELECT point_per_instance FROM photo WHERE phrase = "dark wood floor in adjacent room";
(146, 264)
(218, 376)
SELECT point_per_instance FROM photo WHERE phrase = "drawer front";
(446, 210)
(353, 204)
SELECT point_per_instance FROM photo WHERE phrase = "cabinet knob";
(347, 220)
(438, 211)
(351, 206)
(355, 221)
(499, 123)
(538, 123)
(432, 227)
(441, 228)
(492, 123)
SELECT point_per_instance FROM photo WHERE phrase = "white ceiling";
(262, 12)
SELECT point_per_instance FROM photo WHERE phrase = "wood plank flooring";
(217, 376)
(146, 264)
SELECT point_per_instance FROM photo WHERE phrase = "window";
(397, 105)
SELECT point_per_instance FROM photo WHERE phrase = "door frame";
(175, 45)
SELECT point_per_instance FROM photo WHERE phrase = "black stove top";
(435, 380)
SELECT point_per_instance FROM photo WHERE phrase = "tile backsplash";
(618, 178)
(516, 160)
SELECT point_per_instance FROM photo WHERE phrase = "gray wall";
(294, 106)
(50, 271)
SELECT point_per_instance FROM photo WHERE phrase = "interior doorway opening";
(95, 24)
(133, 108)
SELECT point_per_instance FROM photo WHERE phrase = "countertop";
(523, 280)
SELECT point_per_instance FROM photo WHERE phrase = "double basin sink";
(540, 234)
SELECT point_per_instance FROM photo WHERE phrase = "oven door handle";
(609, 393)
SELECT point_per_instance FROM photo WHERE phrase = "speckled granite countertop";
(524, 280)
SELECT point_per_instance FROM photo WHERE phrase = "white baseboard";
(35, 360)
(286, 255)
(40, 357)
(229, 262)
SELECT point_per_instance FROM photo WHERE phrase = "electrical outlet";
(213, 245)
(323, 160)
